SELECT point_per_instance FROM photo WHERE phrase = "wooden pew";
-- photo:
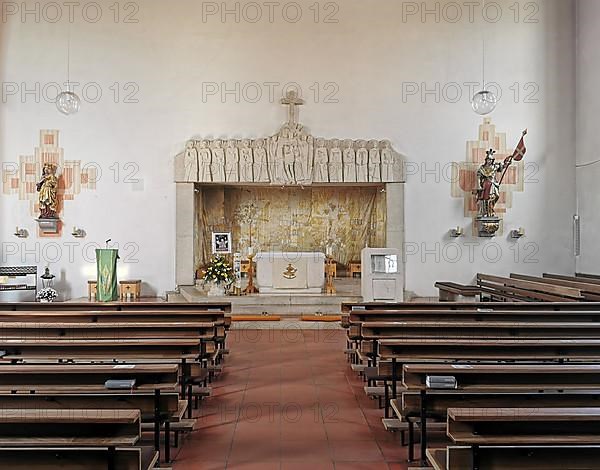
(582, 280)
(521, 290)
(69, 427)
(408, 408)
(370, 326)
(590, 292)
(117, 306)
(97, 316)
(453, 292)
(105, 330)
(143, 319)
(147, 403)
(517, 457)
(102, 348)
(497, 377)
(87, 378)
(477, 329)
(90, 379)
(357, 314)
(423, 349)
(588, 276)
(516, 426)
(388, 308)
(43, 428)
(78, 458)
(524, 438)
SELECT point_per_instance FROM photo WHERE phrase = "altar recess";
(310, 196)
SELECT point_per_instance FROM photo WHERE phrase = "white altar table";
(290, 273)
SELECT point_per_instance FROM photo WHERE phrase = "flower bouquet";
(218, 273)
(47, 294)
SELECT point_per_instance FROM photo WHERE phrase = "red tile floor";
(288, 400)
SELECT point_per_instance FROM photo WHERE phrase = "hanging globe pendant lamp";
(68, 102)
(484, 101)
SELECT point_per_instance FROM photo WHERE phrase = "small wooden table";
(354, 267)
(331, 267)
(92, 289)
(133, 287)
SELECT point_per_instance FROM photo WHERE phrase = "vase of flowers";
(219, 275)
(48, 294)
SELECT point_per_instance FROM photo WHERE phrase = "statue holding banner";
(488, 188)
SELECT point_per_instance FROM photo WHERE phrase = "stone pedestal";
(487, 226)
(48, 225)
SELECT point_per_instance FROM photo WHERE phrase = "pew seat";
(530, 426)
(78, 458)
(65, 428)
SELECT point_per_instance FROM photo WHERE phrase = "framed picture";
(221, 243)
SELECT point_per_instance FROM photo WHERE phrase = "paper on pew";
(461, 366)
(125, 366)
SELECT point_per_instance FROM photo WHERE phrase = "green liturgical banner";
(106, 262)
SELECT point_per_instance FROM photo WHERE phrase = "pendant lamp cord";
(483, 45)
(69, 58)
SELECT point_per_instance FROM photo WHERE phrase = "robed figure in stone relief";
(190, 162)
(246, 162)
(205, 162)
(232, 159)
(387, 162)
(374, 162)
(275, 161)
(349, 159)
(261, 169)
(362, 162)
(218, 162)
(304, 156)
(321, 166)
(289, 159)
(335, 162)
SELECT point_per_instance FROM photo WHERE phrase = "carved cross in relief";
(293, 101)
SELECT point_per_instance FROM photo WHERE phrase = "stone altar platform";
(283, 304)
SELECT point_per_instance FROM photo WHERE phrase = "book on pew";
(441, 382)
(125, 384)
(2, 353)
(358, 308)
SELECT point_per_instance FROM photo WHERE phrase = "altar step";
(317, 307)
(254, 318)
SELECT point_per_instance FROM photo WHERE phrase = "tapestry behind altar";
(294, 219)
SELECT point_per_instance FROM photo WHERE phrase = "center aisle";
(288, 400)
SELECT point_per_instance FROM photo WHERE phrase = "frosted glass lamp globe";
(68, 103)
(484, 102)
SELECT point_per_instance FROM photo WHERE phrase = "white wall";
(369, 54)
(588, 138)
